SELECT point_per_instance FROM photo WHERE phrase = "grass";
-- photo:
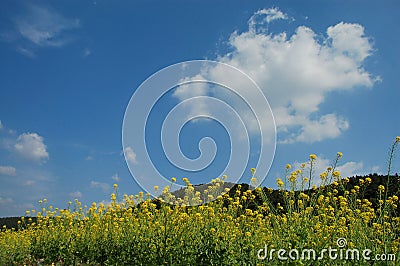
(230, 230)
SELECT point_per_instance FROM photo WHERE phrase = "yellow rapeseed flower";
(288, 166)
(339, 154)
(252, 170)
(323, 175)
(173, 179)
(398, 139)
(313, 156)
(336, 173)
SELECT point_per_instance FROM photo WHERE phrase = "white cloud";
(76, 194)
(115, 177)
(349, 39)
(6, 201)
(32, 147)
(327, 126)
(44, 27)
(130, 155)
(26, 52)
(103, 186)
(376, 169)
(9, 207)
(297, 72)
(351, 169)
(347, 169)
(266, 15)
(29, 182)
(7, 170)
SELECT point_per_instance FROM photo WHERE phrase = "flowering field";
(237, 228)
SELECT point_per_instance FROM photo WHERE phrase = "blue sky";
(69, 68)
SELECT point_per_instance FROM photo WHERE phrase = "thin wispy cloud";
(76, 194)
(26, 52)
(44, 26)
(266, 16)
(100, 185)
(39, 27)
(115, 177)
(7, 170)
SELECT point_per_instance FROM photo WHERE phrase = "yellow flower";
(288, 166)
(381, 188)
(253, 180)
(339, 154)
(252, 170)
(323, 175)
(336, 174)
(156, 188)
(279, 182)
(173, 179)
(398, 139)
(115, 186)
(113, 197)
(313, 156)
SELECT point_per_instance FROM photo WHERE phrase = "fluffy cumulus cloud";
(8, 170)
(297, 72)
(32, 147)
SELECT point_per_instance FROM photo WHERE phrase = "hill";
(275, 196)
